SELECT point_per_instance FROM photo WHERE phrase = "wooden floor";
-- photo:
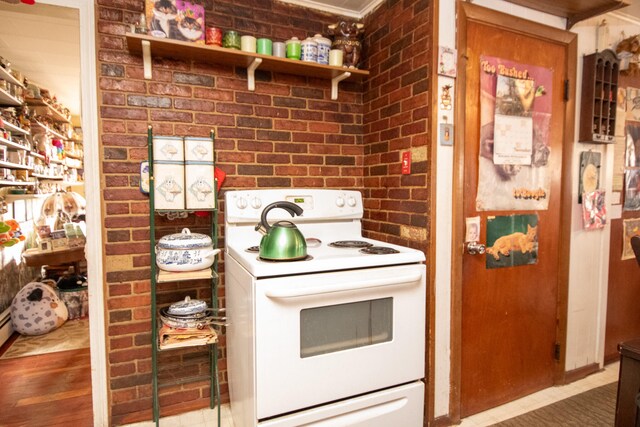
(50, 390)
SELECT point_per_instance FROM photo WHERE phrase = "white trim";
(625, 17)
(326, 8)
(93, 248)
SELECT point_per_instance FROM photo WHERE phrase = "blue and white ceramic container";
(185, 251)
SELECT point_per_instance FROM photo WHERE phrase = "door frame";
(499, 20)
(92, 181)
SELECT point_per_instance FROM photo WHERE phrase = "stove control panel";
(317, 204)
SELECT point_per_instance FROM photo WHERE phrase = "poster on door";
(515, 115)
(631, 227)
(512, 240)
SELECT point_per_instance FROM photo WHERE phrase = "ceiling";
(42, 41)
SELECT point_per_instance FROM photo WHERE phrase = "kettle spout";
(261, 229)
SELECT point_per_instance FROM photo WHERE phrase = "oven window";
(340, 327)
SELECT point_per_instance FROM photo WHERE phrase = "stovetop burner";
(278, 261)
(379, 250)
(350, 244)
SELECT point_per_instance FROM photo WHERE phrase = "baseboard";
(580, 373)
(6, 327)
(443, 421)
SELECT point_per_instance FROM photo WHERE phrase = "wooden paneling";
(574, 10)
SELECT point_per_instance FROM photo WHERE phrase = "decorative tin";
(168, 148)
(231, 40)
(198, 149)
(200, 185)
(169, 185)
(293, 48)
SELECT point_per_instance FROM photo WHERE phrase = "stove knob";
(340, 202)
(256, 203)
(351, 201)
(241, 203)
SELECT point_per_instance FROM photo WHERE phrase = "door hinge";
(566, 90)
(556, 352)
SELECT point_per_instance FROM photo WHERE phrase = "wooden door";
(509, 315)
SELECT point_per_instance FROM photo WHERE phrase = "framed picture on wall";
(589, 177)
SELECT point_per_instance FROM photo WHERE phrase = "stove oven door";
(330, 336)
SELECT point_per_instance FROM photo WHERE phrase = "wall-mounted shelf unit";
(10, 165)
(49, 110)
(12, 144)
(148, 45)
(5, 75)
(8, 183)
(573, 11)
(15, 129)
(8, 100)
(49, 130)
(599, 95)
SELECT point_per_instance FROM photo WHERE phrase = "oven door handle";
(296, 292)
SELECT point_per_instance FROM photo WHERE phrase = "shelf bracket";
(146, 58)
(334, 84)
(251, 74)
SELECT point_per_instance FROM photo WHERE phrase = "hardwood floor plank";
(47, 390)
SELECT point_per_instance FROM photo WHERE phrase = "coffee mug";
(265, 47)
(248, 44)
(335, 57)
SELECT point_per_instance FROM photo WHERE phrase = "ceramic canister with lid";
(309, 51)
(293, 48)
(324, 46)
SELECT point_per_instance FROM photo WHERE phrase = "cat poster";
(512, 240)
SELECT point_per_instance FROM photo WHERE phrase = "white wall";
(589, 251)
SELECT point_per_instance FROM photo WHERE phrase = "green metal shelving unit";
(212, 348)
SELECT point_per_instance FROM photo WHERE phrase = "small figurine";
(347, 38)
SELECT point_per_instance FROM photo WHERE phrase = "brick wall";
(396, 109)
(288, 133)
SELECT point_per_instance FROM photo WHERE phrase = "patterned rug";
(593, 408)
(74, 334)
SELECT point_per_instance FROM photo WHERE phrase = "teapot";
(281, 241)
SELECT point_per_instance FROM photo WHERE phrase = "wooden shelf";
(53, 112)
(7, 99)
(9, 198)
(12, 144)
(5, 75)
(10, 165)
(15, 129)
(7, 183)
(49, 130)
(172, 276)
(50, 177)
(55, 257)
(37, 155)
(573, 11)
(148, 45)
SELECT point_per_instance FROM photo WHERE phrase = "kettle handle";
(292, 208)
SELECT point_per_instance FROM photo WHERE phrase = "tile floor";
(208, 417)
(542, 398)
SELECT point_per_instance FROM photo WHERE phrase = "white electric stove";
(337, 338)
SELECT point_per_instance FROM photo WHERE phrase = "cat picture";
(522, 242)
(164, 16)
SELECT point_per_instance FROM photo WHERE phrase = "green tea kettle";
(281, 241)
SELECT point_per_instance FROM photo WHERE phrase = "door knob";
(475, 248)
